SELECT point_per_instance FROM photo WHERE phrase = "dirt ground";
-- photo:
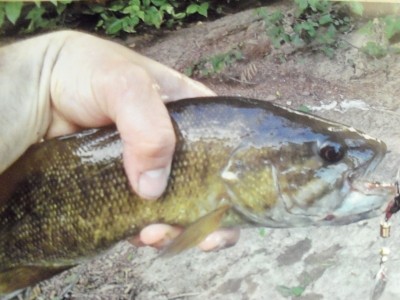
(307, 263)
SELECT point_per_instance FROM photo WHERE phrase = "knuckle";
(157, 145)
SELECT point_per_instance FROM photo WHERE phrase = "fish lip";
(368, 189)
(345, 220)
(383, 187)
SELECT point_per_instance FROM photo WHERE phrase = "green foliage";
(36, 16)
(124, 16)
(12, 10)
(304, 108)
(287, 292)
(385, 32)
(274, 27)
(356, 7)
(391, 26)
(374, 49)
(298, 290)
(115, 17)
(214, 64)
(262, 232)
(315, 23)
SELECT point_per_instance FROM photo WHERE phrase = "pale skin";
(58, 83)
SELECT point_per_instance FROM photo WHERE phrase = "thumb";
(145, 128)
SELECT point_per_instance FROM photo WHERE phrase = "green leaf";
(95, 8)
(285, 291)
(131, 256)
(203, 9)
(131, 10)
(314, 4)
(303, 4)
(167, 8)
(192, 9)
(325, 19)
(188, 71)
(297, 41)
(129, 24)
(159, 2)
(13, 11)
(117, 6)
(297, 291)
(276, 16)
(262, 232)
(35, 14)
(323, 5)
(114, 27)
(134, 2)
(357, 8)
(60, 8)
(392, 26)
(304, 108)
(153, 17)
(367, 29)
(329, 51)
(375, 50)
(100, 24)
(179, 16)
(262, 12)
(141, 15)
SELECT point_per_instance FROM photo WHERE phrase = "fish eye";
(331, 152)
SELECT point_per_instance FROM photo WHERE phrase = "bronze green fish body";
(68, 198)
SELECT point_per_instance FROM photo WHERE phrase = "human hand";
(68, 80)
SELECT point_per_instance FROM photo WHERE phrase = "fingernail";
(213, 242)
(158, 235)
(220, 239)
(153, 183)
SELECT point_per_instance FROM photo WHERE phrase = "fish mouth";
(365, 200)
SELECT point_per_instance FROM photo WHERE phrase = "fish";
(237, 162)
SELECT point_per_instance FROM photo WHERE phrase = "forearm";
(25, 78)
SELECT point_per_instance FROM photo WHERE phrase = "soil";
(306, 263)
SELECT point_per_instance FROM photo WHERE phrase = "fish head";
(293, 169)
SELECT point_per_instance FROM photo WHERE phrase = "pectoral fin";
(24, 276)
(196, 232)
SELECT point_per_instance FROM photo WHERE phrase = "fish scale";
(237, 161)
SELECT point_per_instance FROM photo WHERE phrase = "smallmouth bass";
(237, 161)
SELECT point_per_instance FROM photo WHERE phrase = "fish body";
(67, 199)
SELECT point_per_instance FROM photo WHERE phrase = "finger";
(159, 235)
(60, 126)
(174, 85)
(136, 241)
(222, 238)
(131, 98)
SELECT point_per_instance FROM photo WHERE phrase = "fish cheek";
(251, 181)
